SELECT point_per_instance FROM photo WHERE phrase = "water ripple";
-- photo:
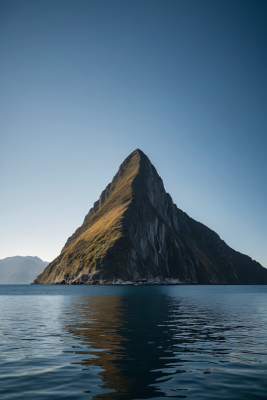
(191, 342)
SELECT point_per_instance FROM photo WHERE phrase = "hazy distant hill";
(20, 270)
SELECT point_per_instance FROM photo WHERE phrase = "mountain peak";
(134, 230)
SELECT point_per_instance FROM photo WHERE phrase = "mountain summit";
(136, 231)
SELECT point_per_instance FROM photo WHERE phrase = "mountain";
(20, 270)
(136, 231)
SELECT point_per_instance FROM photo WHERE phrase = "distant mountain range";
(20, 270)
(136, 231)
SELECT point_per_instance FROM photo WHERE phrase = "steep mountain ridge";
(88, 247)
(136, 231)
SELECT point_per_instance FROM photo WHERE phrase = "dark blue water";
(95, 342)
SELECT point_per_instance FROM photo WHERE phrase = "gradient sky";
(84, 83)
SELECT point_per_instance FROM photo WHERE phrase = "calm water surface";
(95, 342)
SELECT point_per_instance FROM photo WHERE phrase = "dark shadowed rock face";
(136, 231)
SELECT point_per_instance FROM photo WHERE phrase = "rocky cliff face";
(136, 231)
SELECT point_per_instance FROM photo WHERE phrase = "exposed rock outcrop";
(136, 231)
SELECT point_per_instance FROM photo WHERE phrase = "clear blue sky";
(84, 83)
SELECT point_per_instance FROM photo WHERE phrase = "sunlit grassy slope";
(90, 242)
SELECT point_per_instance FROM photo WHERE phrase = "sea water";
(133, 342)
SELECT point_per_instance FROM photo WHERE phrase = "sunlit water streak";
(86, 342)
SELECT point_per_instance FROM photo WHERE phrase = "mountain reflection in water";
(146, 347)
(98, 322)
